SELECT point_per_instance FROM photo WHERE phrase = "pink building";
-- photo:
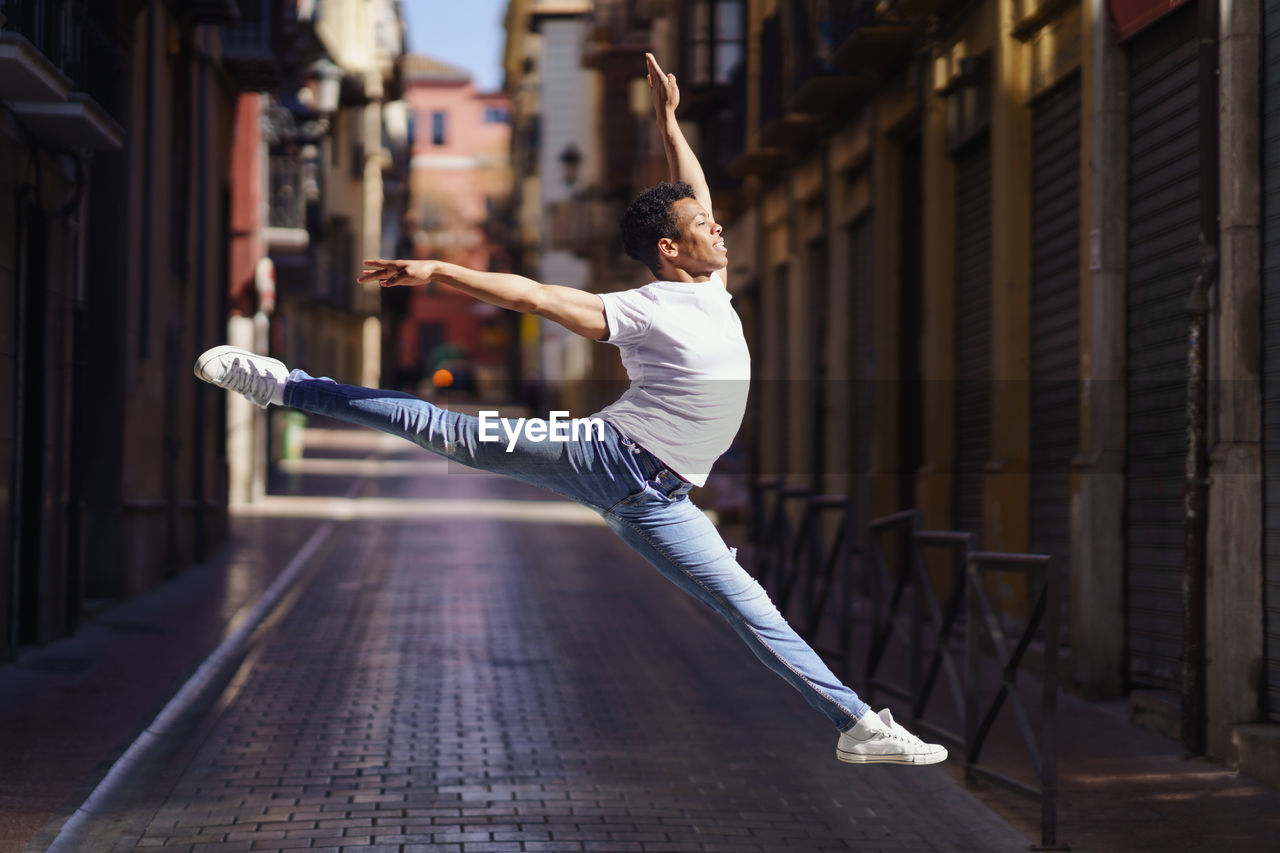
(459, 193)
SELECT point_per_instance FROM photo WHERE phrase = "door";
(1055, 317)
(1163, 226)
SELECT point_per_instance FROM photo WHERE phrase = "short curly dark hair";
(649, 219)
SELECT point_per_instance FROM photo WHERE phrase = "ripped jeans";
(637, 495)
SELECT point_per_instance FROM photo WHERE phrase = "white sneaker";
(258, 377)
(877, 739)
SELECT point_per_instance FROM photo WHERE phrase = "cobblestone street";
(468, 664)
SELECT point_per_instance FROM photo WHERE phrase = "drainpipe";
(1196, 485)
(202, 289)
(148, 178)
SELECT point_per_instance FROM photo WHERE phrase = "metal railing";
(930, 622)
(941, 621)
(982, 625)
(71, 35)
(288, 198)
(251, 38)
(805, 550)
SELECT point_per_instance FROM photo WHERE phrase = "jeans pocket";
(646, 497)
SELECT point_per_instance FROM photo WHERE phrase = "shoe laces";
(894, 731)
(243, 378)
(897, 732)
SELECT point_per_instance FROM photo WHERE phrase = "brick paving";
(472, 665)
(69, 706)
(515, 679)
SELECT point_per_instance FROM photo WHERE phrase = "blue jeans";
(644, 502)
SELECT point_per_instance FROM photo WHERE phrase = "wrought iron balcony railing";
(78, 38)
(288, 195)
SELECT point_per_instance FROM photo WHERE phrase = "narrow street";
(468, 664)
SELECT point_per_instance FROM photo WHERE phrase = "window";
(437, 127)
(496, 115)
(716, 41)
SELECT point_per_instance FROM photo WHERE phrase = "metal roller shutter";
(973, 330)
(910, 323)
(862, 253)
(1271, 343)
(1055, 317)
(1162, 244)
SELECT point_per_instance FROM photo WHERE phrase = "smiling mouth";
(721, 246)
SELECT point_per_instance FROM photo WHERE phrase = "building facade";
(1007, 262)
(139, 146)
(459, 211)
(115, 143)
(556, 99)
(319, 183)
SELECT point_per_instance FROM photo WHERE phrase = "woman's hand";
(662, 88)
(398, 273)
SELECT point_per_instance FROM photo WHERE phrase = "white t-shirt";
(686, 357)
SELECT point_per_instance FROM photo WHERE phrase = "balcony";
(876, 45)
(224, 12)
(28, 75)
(291, 183)
(267, 47)
(77, 122)
(62, 72)
(838, 57)
(919, 10)
(585, 225)
(249, 54)
(757, 162)
(780, 126)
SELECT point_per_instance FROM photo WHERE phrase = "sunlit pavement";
(469, 664)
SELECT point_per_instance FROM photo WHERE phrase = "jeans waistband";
(659, 475)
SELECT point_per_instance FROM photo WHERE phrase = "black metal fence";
(288, 197)
(805, 550)
(930, 613)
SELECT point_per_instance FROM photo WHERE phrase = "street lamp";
(328, 79)
(570, 161)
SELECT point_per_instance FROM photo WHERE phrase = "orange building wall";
(246, 203)
(449, 186)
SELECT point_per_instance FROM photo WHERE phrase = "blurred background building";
(458, 210)
(317, 185)
(174, 175)
(555, 152)
(115, 147)
(964, 238)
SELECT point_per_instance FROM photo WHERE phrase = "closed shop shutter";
(1055, 317)
(1271, 341)
(862, 252)
(973, 330)
(1163, 253)
(910, 324)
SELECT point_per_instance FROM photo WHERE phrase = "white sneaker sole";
(217, 352)
(891, 758)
